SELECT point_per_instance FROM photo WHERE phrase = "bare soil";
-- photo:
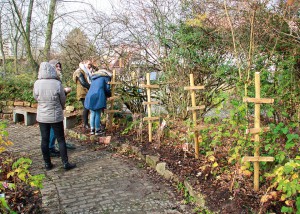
(226, 192)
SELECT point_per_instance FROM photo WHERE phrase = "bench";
(29, 116)
(70, 119)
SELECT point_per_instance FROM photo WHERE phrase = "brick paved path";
(102, 183)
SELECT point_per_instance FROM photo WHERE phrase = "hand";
(67, 90)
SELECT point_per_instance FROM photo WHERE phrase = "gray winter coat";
(49, 93)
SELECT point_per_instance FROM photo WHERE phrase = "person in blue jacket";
(95, 99)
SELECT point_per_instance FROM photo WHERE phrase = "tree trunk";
(49, 30)
(1, 44)
(26, 32)
(16, 39)
(33, 63)
(15, 36)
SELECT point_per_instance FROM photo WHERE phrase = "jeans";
(95, 119)
(85, 114)
(58, 129)
(52, 139)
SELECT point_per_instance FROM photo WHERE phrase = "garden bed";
(23, 198)
(228, 191)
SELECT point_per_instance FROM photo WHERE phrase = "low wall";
(7, 107)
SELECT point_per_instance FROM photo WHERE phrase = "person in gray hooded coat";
(53, 151)
(51, 98)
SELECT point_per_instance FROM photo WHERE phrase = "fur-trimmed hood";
(102, 72)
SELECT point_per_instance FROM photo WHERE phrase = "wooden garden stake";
(256, 130)
(192, 89)
(290, 2)
(111, 111)
(148, 87)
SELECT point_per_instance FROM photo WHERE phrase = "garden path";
(101, 183)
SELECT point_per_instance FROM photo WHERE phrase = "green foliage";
(189, 136)
(71, 97)
(227, 131)
(4, 142)
(4, 206)
(19, 171)
(281, 142)
(201, 210)
(187, 197)
(18, 88)
(282, 85)
(132, 96)
(286, 180)
(132, 125)
(72, 53)
(20, 168)
(193, 52)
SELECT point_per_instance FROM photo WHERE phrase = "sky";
(100, 5)
(78, 19)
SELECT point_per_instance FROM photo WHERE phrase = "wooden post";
(256, 136)
(257, 130)
(111, 111)
(148, 87)
(192, 89)
(290, 2)
(149, 107)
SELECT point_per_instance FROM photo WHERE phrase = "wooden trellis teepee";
(192, 89)
(256, 130)
(111, 100)
(148, 86)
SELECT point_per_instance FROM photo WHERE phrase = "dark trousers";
(58, 129)
(85, 114)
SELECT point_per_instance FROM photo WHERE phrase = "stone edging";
(162, 169)
(153, 161)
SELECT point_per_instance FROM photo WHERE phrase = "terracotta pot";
(105, 140)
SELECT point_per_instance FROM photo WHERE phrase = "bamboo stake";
(256, 131)
(112, 111)
(194, 117)
(148, 87)
(192, 89)
(149, 107)
(256, 136)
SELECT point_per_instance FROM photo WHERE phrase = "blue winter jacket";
(98, 92)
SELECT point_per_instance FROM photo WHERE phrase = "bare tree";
(15, 37)
(1, 39)
(25, 30)
(49, 29)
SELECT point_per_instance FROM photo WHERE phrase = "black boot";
(48, 166)
(68, 165)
